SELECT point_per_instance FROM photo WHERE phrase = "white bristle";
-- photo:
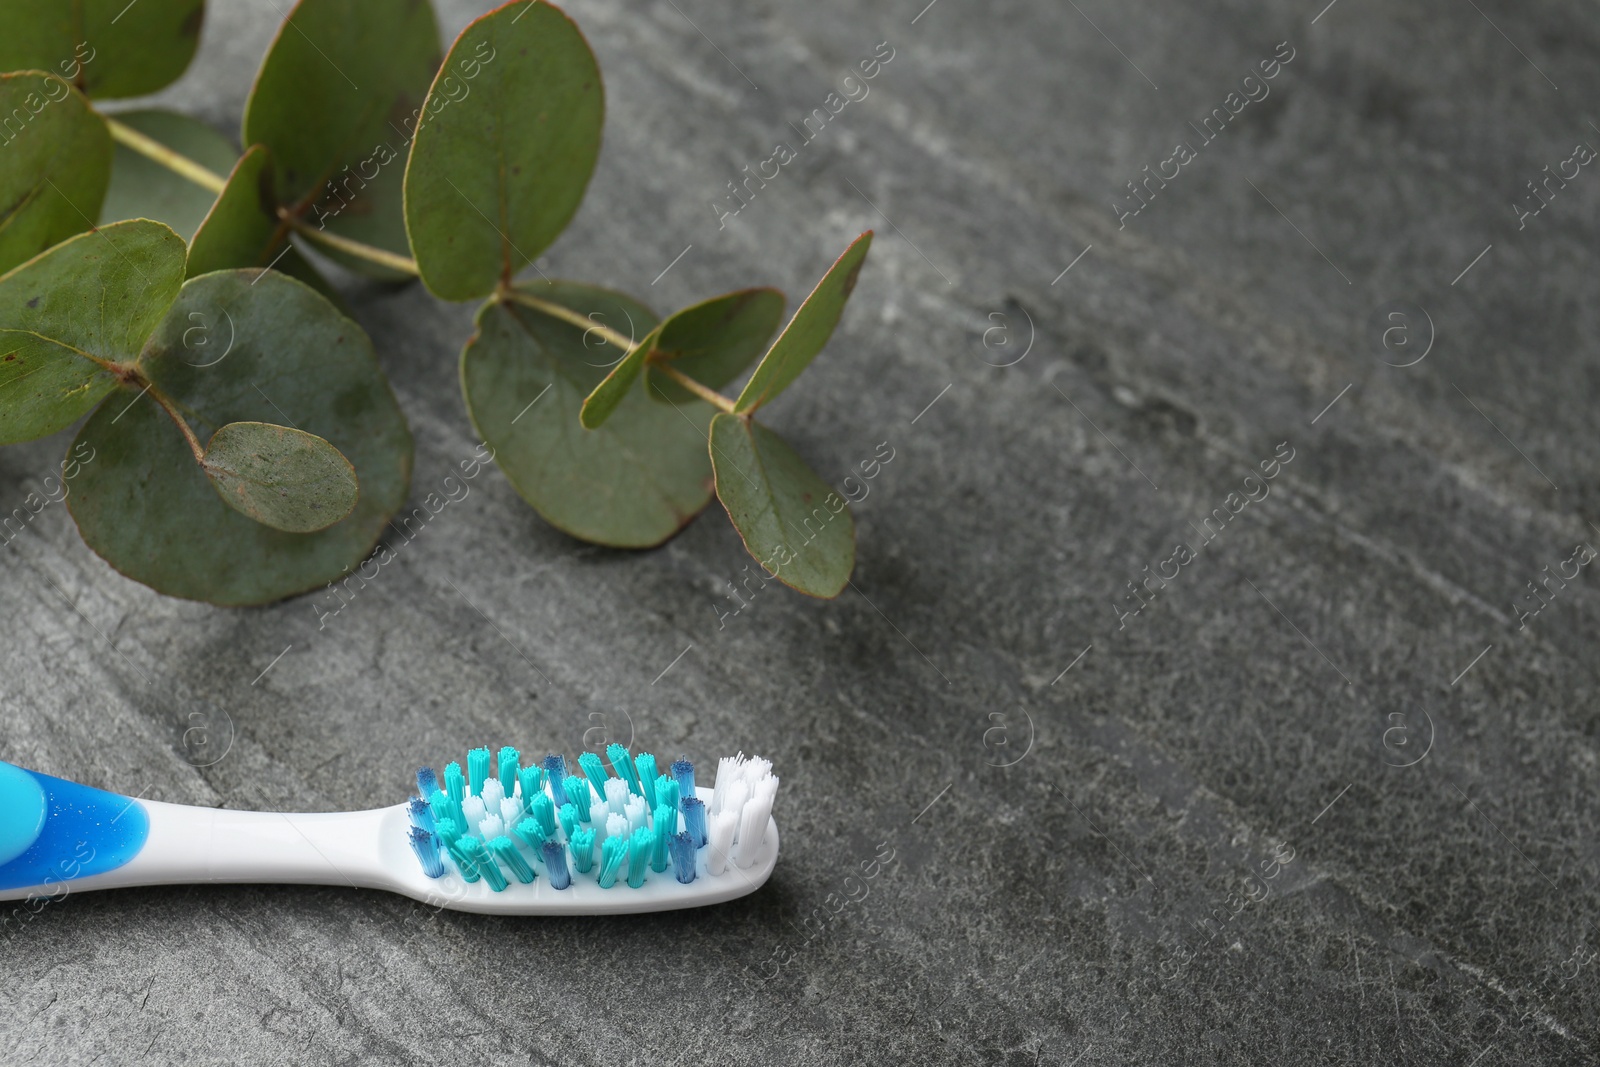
(733, 803)
(473, 809)
(727, 773)
(597, 816)
(616, 826)
(637, 812)
(616, 794)
(491, 827)
(719, 841)
(753, 821)
(755, 769)
(511, 811)
(493, 794)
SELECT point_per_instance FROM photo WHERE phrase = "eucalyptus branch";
(372, 254)
(569, 316)
(710, 396)
(176, 162)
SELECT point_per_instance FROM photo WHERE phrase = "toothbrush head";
(525, 855)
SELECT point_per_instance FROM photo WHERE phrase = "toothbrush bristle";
(504, 823)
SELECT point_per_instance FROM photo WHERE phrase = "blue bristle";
(645, 764)
(543, 811)
(578, 795)
(640, 845)
(508, 769)
(666, 793)
(464, 861)
(683, 772)
(532, 779)
(448, 830)
(529, 831)
(581, 845)
(477, 769)
(505, 850)
(623, 765)
(426, 846)
(666, 826)
(427, 781)
(421, 816)
(555, 772)
(682, 856)
(568, 816)
(694, 821)
(455, 785)
(555, 865)
(595, 771)
(478, 852)
(612, 852)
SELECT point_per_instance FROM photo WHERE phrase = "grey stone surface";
(1051, 911)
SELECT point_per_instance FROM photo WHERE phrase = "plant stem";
(176, 162)
(382, 257)
(567, 315)
(704, 392)
(171, 409)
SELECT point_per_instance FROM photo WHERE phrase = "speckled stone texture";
(1322, 790)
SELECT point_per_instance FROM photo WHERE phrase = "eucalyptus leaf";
(141, 188)
(55, 162)
(243, 229)
(334, 102)
(615, 387)
(277, 352)
(286, 478)
(107, 48)
(784, 513)
(632, 483)
(808, 331)
(715, 340)
(74, 319)
(496, 173)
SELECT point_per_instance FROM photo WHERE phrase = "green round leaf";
(808, 331)
(782, 510)
(714, 341)
(243, 230)
(71, 316)
(287, 478)
(616, 386)
(337, 101)
(108, 48)
(55, 162)
(275, 352)
(501, 160)
(141, 188)
(632, 483)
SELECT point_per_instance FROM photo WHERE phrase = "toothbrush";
(504, 837)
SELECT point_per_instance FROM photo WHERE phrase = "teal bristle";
(488, 869)
(532, 779)
(477, 769)
(448, 830)
(568, 816)
(455, 786)
(505, 850)
(683, 773)
(543, 811)
(666, 793)
(666, 826)
(612, 852)
(595, 771)
(529, 831)
(682, 849)
(464, 861)
(508, 770)
(640, 845)
(577, 790)
(645, 764)
(439, 804)
(624, 768)
(581, 845)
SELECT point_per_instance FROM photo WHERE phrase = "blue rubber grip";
(53, 831)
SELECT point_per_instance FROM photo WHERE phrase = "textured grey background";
(1047, 912)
